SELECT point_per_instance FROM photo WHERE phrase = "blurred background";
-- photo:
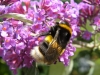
(84, 62)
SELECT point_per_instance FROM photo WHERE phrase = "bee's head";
(63, 22)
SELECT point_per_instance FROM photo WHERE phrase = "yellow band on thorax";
(66, 27)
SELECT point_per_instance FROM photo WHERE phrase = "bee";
(53, 45)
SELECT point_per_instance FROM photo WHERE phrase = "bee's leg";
(56, 35)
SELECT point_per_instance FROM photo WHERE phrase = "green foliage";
(43, 69)
(4, 69)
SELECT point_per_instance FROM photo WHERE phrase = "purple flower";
(87, 35)
(6, 2)
(2, 7)
(15, 8)
(19, 47)
(70, 49)
(92, 1)
(39, 17)
(27, 62)
(16, 45)
(6, 29)
(36, 28)
(71, 11)
(9, 42)
(13, 60)
(52, 8)
(88, 10)
(97, 21)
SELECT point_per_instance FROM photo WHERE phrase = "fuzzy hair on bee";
(53, 45)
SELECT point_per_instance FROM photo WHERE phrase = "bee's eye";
(65, 34)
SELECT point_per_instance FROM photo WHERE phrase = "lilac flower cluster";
(18, 38)
(14, 6)
(16, 43)
(89, 14)
(6, 2)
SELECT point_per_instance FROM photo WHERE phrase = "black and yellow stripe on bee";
(49, 39)
(55, 42)
(66, 27)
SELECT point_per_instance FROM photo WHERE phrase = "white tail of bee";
(37, 55)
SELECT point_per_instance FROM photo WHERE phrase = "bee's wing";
(54, 46)
(53, 50)
(52, 54)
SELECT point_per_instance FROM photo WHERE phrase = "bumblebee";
(53, 45)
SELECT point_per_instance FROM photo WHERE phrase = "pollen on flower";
(39, 39)
(14, 62)
(4, 28)
(7, 40)
(39, 18)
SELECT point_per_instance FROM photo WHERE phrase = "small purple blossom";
(6, 29)
(9, 42)
(97, 21)
(87, 35)
(39, 16)
(2, 7)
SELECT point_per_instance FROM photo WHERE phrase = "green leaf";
(89, 27)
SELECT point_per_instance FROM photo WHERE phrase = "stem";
(17, 16)
(30, 71)
(95, 37)
(80, 44)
